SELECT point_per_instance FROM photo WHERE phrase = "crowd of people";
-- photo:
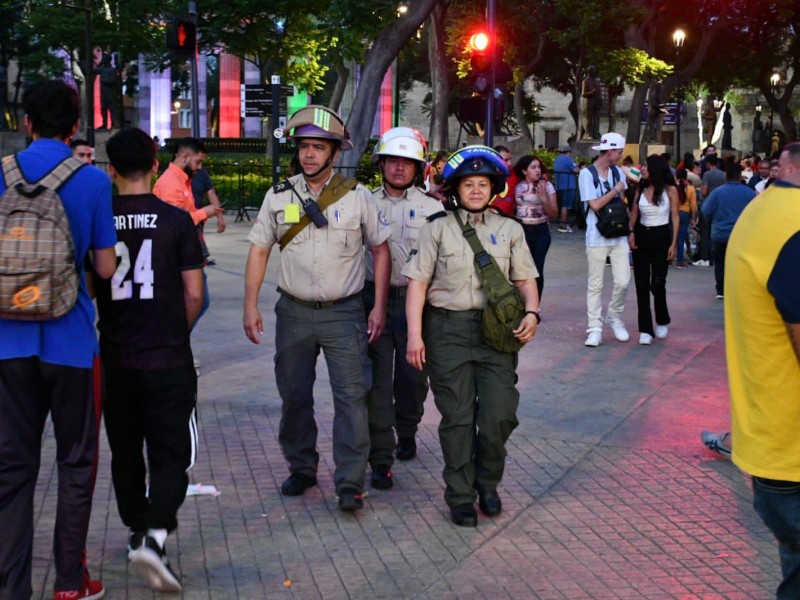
(402, 289)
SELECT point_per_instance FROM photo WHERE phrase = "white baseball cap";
(611, 141)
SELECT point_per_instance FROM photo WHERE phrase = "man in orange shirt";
(175, 184)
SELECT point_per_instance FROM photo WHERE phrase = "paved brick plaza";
(608, 492)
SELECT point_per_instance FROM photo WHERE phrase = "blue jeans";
(778, 505)
(683, 230)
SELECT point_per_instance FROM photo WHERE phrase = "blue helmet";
(476, 160)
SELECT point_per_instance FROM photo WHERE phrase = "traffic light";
(181, 36)
(481, 47)
(485, 54)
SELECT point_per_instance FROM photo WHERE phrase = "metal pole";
(678, 132)
(195, 91)
(276, 117)
(490, 22)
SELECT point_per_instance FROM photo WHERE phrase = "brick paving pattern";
(607, 493)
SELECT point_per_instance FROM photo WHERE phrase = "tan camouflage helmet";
(320, 122)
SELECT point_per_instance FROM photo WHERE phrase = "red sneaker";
(92, 590)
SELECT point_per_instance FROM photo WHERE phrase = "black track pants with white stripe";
(152, 408)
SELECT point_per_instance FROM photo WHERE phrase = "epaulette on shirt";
(282, 186)
(436, 215)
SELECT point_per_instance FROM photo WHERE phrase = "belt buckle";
(318, 305)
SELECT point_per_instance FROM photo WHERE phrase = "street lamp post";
(678, 38)
(774, 81)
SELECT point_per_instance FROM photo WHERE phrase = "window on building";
(185, 118)
(551, 139)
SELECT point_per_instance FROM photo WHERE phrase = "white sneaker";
(151, 562)
(645, 339)
(595, 338)
(619, 329)
(662, 331)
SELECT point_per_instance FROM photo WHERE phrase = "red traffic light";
(181, 37)
(479, 42)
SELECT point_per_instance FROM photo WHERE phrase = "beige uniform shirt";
(406, 216)
(321, 263)
(444, 259)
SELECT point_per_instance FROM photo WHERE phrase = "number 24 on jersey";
(121, 285)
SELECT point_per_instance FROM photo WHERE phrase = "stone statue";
(727, 126)
(758, 134)
(591, 104)
(709, 120)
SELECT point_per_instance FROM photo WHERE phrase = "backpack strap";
(12, 175)
(596, 181)
(63, 172)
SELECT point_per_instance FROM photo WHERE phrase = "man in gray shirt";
(712, 179)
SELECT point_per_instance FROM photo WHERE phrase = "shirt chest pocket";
(284, 227)
(501, 252)
(344, 229)
(454, 260)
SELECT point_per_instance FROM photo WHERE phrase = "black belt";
(394, 291)
(467, 315)
(315, 304)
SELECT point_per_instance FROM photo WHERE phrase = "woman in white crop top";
(654, 239)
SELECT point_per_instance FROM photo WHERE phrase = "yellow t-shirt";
(762, 294)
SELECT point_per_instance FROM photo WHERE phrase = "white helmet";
(404, 142)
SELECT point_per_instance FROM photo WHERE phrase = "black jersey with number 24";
(142, 313)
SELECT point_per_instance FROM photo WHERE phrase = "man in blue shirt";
(565, 169)
(47, 367)
(723, 208)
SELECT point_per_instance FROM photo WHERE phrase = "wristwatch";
(535, 313)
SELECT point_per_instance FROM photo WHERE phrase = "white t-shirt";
(590, 192)
(654, 215)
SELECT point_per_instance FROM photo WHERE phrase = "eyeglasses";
(607, 186)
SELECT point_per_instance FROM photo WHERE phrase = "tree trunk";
(612, 110)
(519, 114)
(635, 116)
(385, 47)
(440, 86)
(574, 110)
(342, 73)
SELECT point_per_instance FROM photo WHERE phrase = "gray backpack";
(38, 278)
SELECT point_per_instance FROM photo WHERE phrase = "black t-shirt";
(142, 312)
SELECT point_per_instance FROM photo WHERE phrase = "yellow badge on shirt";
(291, 213)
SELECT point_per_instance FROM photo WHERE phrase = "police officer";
(322, 222)
(473, 384)
(398, 390)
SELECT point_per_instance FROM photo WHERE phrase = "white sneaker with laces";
(645, 339)
(151, 562)
(662, 331)
(619, 329)
(595, 338)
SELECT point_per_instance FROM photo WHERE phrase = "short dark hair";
(131, 152)
(712, 159)
(501, 149)
(78, 142)
(53, 108)
(793, 150)
(733, 172)
(192, 144)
